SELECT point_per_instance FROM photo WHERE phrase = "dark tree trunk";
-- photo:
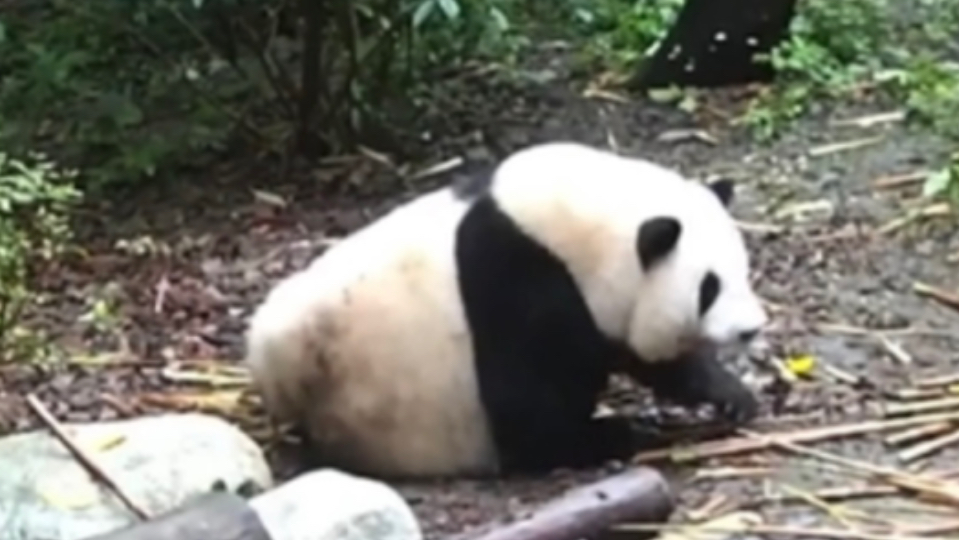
(714, 42)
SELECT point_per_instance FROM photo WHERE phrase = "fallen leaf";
(801, 365)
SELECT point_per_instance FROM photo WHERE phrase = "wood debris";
(946, 298)
(872, 119)
(900, 180)
(925, 448)
(738, 445)
(916, 433)
(924, 406)
(843, 146)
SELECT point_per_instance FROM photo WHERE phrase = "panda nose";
(748, 335)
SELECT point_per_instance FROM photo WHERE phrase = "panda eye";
(708, 292)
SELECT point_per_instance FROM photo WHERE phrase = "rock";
(160, 462)
(333, 505)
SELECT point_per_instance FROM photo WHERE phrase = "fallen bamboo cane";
(738, 445)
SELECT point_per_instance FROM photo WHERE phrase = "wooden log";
(215, 516)
(638, 495)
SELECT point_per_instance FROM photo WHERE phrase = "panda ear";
(656, 238)
(724, 188)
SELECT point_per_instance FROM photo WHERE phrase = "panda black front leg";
(698, 378)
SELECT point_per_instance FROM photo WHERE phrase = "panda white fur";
(471, 331)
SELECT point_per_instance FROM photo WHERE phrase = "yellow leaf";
(101, 442)
(801, 365)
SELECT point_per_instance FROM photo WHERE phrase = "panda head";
(695, 288)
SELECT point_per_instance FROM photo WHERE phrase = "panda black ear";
(724, 188)
(656, 238)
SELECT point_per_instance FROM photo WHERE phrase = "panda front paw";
(734, 401)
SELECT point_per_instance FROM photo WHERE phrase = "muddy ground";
(227, 248)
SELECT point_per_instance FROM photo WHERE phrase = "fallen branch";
(639, 494)
(738, 445)
(81, 456)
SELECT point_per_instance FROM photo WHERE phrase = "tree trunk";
(714, 43)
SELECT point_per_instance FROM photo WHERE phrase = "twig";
(81, 456)
(900, 409)
(843, 146)
(832, 511)
(841, 375)
(900, 180)
(438, 168)
(835, 494)
(933, 210)
(940, 380)
(727, 473)
(916, 433)
(895, 351)
(872, 119)
(934, 529)
(163, 286)
(945, 298)
(923, 449)
(709, 509)
(915, 394)
(738, 445)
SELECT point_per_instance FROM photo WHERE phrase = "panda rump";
(471, 331)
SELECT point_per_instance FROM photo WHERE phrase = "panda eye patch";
(708, 292)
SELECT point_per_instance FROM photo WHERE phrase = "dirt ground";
(832, 284)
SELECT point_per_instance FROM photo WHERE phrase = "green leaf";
(422, 12)
(451, 8)
(502, 23)
(936, 183)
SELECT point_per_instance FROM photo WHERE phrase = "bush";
(35, 199)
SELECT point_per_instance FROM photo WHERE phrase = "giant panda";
(470, 331)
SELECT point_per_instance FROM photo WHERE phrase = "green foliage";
(122, 90)
(839, 48)
(115, 88)
(944, 183)
(455, 30)
(35, 198)
(620, 33)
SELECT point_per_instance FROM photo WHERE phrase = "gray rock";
(160, 462)
(333, 505)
